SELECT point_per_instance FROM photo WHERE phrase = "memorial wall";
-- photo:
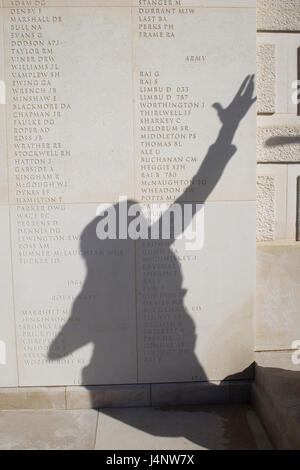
(108, 107)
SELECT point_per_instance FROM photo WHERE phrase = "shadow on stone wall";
(282, 140)
(102, 322)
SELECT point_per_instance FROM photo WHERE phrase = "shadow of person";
(107, 319)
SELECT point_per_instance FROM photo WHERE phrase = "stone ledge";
(278, 382)
(281, 422)
(201, 393)
(275, 397)
(274, 243)
(265, 411)
(29, 398)
(126, 396)
(280, 359)
(108, 396)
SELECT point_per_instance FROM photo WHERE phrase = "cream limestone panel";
(277, 359)
(293, 43)
(8, 363)
(195, 307)
(70, 105)
(271, 202)
(286, 46)
(277, 301)
(74, 298)
(178, 77)
(293, 202)
(278, 41)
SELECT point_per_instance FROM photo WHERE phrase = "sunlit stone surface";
(115, 98)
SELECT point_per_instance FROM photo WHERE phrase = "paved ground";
(206, 427)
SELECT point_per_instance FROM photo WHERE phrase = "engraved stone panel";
(3, 159)
(195, 306)
(70, 99)
(3, 156)
(8, 363)
(177, 81)
(152, 101)
(74, 300)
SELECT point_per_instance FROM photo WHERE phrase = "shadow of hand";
(240, 104)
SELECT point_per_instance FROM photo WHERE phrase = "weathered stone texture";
(278, 15)
(266, 76)
(265, 208)
(29, 398)
(278, 144)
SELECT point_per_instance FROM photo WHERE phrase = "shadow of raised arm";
(221, 151)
